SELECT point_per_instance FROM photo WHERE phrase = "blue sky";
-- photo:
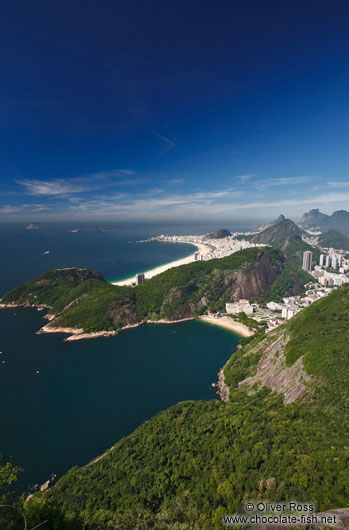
(179, 110)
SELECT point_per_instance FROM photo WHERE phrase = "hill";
(267, 225)
(220, 234)
(339, 220)
(82, 301)
(282, 435)
(334, 239)
(286, 236)
(275, 232)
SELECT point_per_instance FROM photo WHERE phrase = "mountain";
(220, 234)
(281, 435)
(263, 227)
(334, 239)
(275, 232)
(80, 300)
(339, 221)
(286, 236)
(313, 218)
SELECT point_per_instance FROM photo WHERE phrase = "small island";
(34, 226)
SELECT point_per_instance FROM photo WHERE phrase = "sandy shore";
(158, 270)
(229, 323)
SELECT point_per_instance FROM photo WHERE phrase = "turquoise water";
(88, 394)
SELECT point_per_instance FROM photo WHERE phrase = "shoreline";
(204, 250)
(79, 334)
(229, 323)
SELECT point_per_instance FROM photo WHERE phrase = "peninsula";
(82, 304)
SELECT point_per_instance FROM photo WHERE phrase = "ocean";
(63, 403)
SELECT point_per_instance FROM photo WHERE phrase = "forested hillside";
(82, 299)
(196, 462)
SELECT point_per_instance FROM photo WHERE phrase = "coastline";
(79, 334)
(229, 323)
(204, 250)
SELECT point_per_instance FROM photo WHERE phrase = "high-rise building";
(139, 279)
(328, 261)
(307, 260)
(322, 260)
(334, 262)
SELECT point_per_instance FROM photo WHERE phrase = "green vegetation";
(294, 246)
(10, 508)
(83, 299)
(287, 237)
(334, 239)
(197, 461)
(284, 284)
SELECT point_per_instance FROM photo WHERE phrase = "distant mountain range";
(339, 220)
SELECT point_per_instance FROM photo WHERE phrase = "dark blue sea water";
(65, 403)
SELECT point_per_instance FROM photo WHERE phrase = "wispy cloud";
(110, 173)
(287, 181)
(168, 143)
(10, 209)
(69, 186)
(321, 199)
(245, 178)
(334, 184)
(53, 187)
(175, 181)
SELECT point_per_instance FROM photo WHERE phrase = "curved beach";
(229, 323)
(204, 250)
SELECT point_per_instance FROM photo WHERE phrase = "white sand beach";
(229, 323)
(158, 270)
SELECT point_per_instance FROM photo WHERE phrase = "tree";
(11, 514)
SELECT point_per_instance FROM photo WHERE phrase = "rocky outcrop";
(273, 373)
(313, 217)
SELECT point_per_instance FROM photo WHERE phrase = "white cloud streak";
(10, 209)
(64, 186)
(287, 181)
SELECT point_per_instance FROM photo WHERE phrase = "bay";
(63, 403)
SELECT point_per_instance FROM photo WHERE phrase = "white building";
(274, 306)
(289, 311)
(322, 260)
(334, 262)
(242, 306)
(307, 260)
